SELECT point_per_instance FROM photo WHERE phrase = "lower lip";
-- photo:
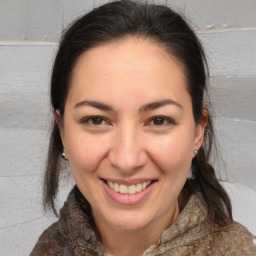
(128, 199)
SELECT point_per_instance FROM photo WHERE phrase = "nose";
(127, 153)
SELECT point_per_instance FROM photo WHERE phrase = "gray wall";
(29, 32)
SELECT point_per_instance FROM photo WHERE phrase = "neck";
(117, 241)
(126, 243)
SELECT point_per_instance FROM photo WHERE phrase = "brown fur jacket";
(191, 234)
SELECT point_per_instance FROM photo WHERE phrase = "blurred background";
(29, 34)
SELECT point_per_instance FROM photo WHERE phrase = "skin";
(128, 143)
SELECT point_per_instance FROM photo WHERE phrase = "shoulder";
(233, 239)
(50, 242)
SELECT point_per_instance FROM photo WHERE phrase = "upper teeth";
(123, 189)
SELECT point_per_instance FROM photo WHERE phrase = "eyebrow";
(158, 104)
(94, 104)
(144, 108)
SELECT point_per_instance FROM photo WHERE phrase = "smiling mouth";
(129, 190)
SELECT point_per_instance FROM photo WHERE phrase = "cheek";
(85, 153)
(173, 153)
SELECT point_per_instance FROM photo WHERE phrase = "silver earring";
(63, 154)
(195, 152)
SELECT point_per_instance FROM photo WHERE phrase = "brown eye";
(94, 121)
(158, 121)
(97, 120)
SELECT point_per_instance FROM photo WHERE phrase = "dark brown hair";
(162, 25)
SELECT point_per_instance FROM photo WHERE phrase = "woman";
(128, 95)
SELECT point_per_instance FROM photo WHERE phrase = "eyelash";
(164, 121)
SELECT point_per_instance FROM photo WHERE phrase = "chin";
(130, 221)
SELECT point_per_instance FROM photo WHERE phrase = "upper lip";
(128, 182)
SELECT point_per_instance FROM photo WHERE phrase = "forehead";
(127, 66)
(128, 49)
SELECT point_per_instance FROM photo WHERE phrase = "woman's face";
(129, 132)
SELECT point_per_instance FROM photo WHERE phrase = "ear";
(199, 130)
(60, 125)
